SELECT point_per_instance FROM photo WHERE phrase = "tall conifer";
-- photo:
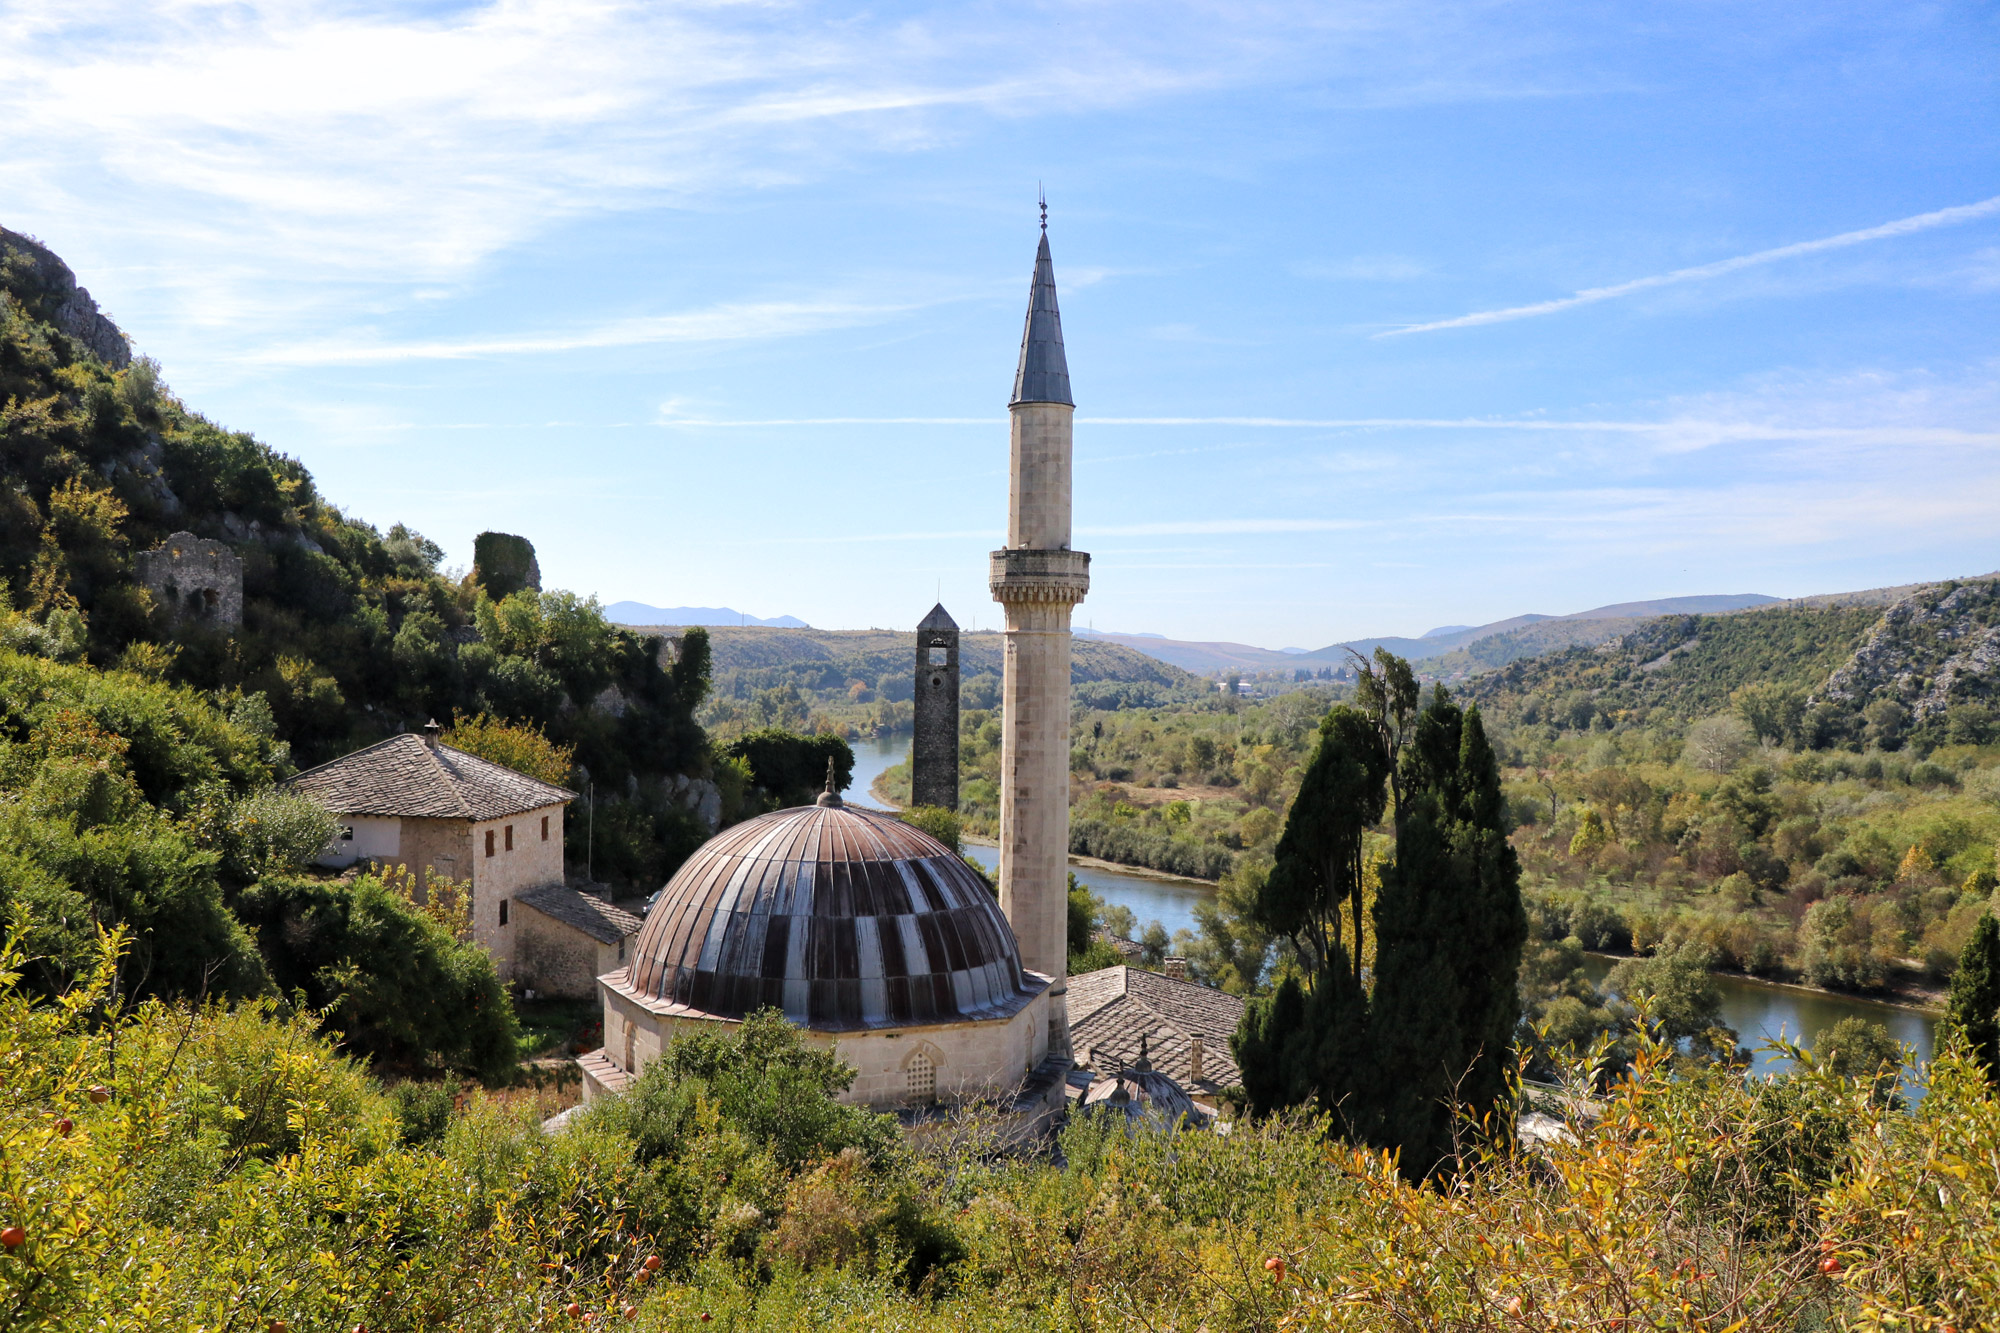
(1974, 1008)
(1448, 936)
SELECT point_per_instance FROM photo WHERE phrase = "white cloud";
(1943, 217)
(726, 323)
(259, 160)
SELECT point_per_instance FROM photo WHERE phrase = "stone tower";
(934, 751)
(1038, 579)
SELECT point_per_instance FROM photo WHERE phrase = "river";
(1757, 1011)
(1169, 901)
(1760, 1011)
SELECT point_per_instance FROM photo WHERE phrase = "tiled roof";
(593, 916)
(406, 777)
(1111, 1009)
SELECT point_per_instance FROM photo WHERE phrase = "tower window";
(503, 911)
(939, 657)
(923, 1078)
(510, 837)
(489, 842)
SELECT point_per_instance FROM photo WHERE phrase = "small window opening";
(923, 1078)
(489, 842)
(939, 657)
(937, 682)
(503, 911)
(347, 833)
(545, 828)
(510, 837)
(621, 951)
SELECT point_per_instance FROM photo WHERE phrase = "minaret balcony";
(1039, 576)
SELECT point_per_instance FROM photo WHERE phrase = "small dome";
(843, 918)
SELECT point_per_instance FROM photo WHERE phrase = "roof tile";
(404, 776)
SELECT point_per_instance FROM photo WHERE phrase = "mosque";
(867, 932)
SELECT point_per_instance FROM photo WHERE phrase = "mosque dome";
(846, 919)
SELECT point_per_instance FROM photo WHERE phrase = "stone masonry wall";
(194, 579)
(934, 749)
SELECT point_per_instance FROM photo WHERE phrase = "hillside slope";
(1518, 636)
(348, 634)
(1835, 670)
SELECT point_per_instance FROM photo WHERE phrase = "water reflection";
(1171, 902)
(1760, 1013)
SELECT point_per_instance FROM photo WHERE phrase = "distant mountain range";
(1593, 626)
(638, 613)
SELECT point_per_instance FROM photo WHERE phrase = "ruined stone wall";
(194, 580)
(934, 749)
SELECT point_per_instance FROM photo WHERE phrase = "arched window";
(923, 1078)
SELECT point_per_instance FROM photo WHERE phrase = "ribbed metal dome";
(843, 918)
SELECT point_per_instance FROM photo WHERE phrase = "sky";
(1379, 316)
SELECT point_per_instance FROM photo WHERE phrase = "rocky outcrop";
(1938, 646)
(59, 300)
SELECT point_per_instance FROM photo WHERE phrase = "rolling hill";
(1593, 626)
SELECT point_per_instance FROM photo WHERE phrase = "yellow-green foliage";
(240, 1174)
(205, 1169)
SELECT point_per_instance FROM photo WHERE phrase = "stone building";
(1039, 580)
(194, 579)
(934, 749)
(413, 800)
(568, 940)
(1117, 1015)
(865, 931)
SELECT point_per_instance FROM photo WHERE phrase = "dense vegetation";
(348, 634)
(207, 1168)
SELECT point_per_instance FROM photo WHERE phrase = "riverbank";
(1097, 863)
(1925, 1001)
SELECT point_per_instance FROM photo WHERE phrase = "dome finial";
(829, 798)
(1142, 1063)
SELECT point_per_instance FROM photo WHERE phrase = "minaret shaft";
(1039, 579)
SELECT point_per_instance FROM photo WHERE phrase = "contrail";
(1943, 217)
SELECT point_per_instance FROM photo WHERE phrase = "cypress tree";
(1449, 926)
(1974, 1008)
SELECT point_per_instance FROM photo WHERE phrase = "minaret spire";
(1038, 579)
(1042, 374)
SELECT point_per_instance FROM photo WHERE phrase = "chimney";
(1177, 968)
(1196, 1055)
(431, 732)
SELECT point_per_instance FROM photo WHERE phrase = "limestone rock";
(65, 304)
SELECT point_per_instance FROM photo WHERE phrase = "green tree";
(790, 767)
(1974, 1007)
(1449, 926)
(1317, 874)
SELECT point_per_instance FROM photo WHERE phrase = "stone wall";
(194, 580)
(533, 860)
(967, 1060)
(436, 846)
(934, 749)
(555, 958)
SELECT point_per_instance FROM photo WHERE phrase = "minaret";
(934, 748)
(1038, 579)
